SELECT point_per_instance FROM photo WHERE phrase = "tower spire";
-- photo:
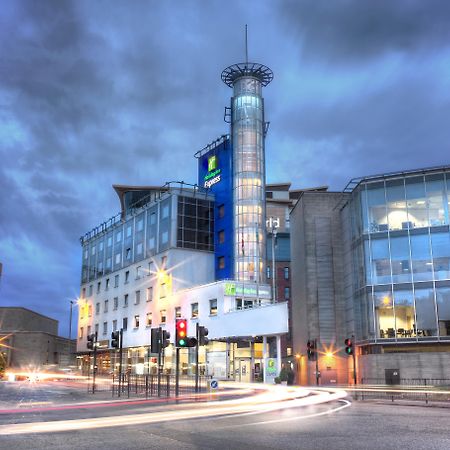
(246, 44)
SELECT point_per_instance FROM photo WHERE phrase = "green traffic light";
(182, 342)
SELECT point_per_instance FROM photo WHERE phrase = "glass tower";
(247, 134)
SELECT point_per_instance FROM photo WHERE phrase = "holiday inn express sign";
(213, 175)
(246, 290)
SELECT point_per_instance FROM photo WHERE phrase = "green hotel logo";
(230, 289)
(212, 163)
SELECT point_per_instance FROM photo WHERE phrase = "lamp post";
(70, 319)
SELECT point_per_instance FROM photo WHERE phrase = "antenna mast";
(246, 45)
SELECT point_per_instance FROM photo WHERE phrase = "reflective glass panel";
(436, 200)
(396, 205)
(401, 270)
(421, 258)
(377, 208)
(381, 269)
(443, 305)
(416, 202)
(404, 313)
(425, 311)
(384, 314)
(440, 243)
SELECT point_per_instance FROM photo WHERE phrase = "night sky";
(95, 93)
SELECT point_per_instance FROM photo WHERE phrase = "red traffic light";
(348, 342)
(348, 346)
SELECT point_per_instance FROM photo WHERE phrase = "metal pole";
(95, 364)
(120, 359)
(177, 373)
(274, 288)
(317, 362)
(354, 359)
(159, 360)
(70, 324)
(196, 357)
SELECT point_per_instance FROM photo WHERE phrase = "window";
(105, 327)
(125, 323)
(178, 312)
(99, 285)
(89, 330)
(107, 284)
(90, 310)
(149, 294)
(125, 300)
(165, 212)
(165, 237)
(100, 247)
(268, 272)
(163, 313)
(148, 319)
(81, 332)
(83, 293)
(127, 276)
(136, 321)
(213, 307)
(105, 309)
(152, 218)
(221, 211)
(119, 236)
(286, 273)
(93, 250)
(96, 328)
(221, 236)
(97, 308)
(114, 325)
(150, 268)
(129, 231)
(287, 293)
(194, 310)
(108, 262)
(109, 242)
(137, 298)
(140, 225)
(221, 261)
(116, 281)
(118, 257)
(139, 248)
(116, 303)
(151, 243)
(91, 290)
(128, 254)
(138, 272)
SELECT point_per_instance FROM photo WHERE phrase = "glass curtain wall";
(249, 181)
(405, 252)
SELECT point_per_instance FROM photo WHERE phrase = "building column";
(278, 337)
(264, 358)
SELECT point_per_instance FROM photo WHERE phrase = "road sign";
(214, 384)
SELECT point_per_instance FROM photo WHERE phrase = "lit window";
(81, 332)
(125, 300)
(178, 312)
(136, 321)
(194, 310)
(125, 323)
(137, 298)
(163, 315)
(106, 306)
(127, 276)
(148, 319)
(149, 294)
(213, 307)
(286, 273)
(105, 327)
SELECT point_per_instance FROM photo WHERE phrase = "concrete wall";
(411, 365)
(22, 319)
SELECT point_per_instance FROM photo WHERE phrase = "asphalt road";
(360, 426)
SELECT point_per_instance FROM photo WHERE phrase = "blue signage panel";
(215, 172)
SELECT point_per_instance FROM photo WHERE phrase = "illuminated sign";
(245, 290)
(213, 176)
(212, 163)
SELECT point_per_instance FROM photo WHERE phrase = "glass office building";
(401, 256)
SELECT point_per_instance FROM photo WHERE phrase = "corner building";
(192, 251)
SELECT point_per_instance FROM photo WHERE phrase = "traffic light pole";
(196, 357)
(177, 373)
(317, 362)
(354, 359)
(159, 359)
(94, 372)
(120, 359)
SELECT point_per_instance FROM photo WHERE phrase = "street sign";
(214, 384)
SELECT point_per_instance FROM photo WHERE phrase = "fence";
(416, 389)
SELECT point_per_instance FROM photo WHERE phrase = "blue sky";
(95, 93)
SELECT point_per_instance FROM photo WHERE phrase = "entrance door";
(244, 369)
(392, 376)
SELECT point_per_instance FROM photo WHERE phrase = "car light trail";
(270, 399)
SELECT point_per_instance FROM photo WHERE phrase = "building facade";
(380, 252)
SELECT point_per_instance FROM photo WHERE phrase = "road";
(335, 425)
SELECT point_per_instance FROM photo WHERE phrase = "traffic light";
(311, 350)
(348, 346)
(181, 333)
(91, 341)
(155, 342)
(115, 339)
(191, 342)
(202, 333)
(165, 336)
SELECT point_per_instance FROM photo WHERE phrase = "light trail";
(271, 398)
